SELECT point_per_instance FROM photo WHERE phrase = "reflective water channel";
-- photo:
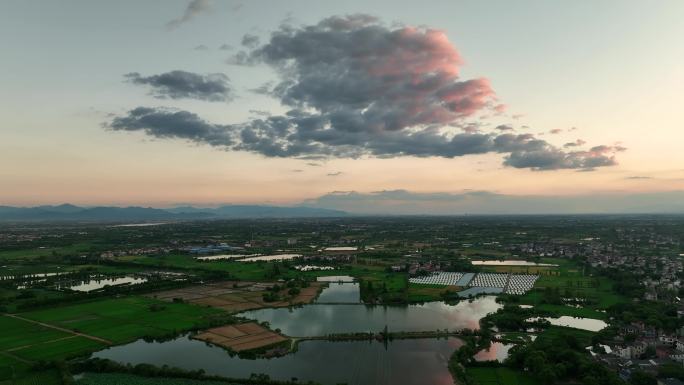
(320, 320)
(407, 362)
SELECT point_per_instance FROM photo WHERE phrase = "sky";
(382, 106)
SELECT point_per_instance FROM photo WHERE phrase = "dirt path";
(98, 339)
(39, 343)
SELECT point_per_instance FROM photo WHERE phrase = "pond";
(590, 324)
(274, 257)
(340, 292)
(321, 320)
(224, 256)
(497, 351)
(407, 362)
(99, 283)
(510, 262)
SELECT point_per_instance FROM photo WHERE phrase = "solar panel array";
(441, 278)
(489, 280)
(521, 283)
(516, 284)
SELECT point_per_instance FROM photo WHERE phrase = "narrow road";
(98, 339)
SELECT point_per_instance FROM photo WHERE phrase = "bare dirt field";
(234, 297)
(241, 337)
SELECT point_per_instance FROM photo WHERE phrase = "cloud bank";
(355, 87)
(185, 85)
(403, 202)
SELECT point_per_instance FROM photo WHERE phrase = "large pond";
(590, 324)
(99, 283)
(406, 362)
(321, 320)
(509, 262)
(340, 292)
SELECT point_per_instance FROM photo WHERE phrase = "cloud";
(201, 47)
(194, 8)
(250, 41)
(336, 173)
(504, 127)
(185, 85)
(226, 47)
(638, 177)
(403, 202)
(354, 87)
(555, 131)
(167, 123)
(577, 143)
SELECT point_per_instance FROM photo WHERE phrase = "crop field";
(421, 292)
(500, 376)
(74, 330)
(233, 296)
(17, 333)
(241, 337)
(68, 347)
(237, 270)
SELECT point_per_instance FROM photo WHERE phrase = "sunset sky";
(337, 104)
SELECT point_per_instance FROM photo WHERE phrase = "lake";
(406, 362)
(321, 320)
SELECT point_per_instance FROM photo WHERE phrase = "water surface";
(99, 283)
(405, 362)
(510, 262)
(274, 257)
(590, 324)
(321, 320)
(340, 292)
(497, 351)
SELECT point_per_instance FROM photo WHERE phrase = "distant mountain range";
(68, 212)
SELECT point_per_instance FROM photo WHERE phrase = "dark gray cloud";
(167, 123)
(273, 137)
(250, 41)
(186, 85)
(504, 127)
(355, 87)
(403, 202)
(194, 8)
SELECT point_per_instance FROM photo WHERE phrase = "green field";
(123, 319)
(113, 320)
(500, 376)
(17, 333)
